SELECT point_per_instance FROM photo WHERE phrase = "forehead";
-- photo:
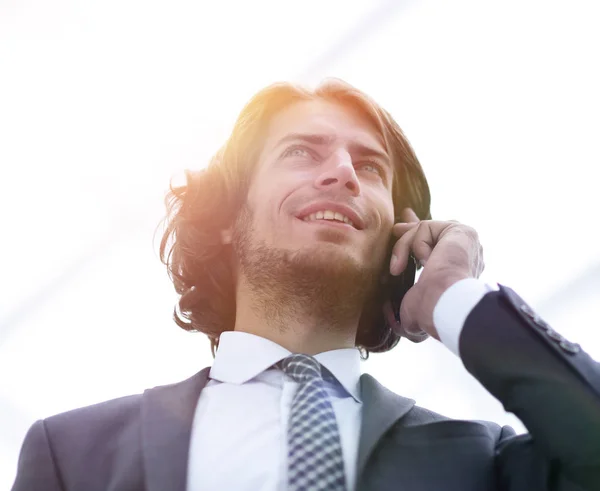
(323, 118)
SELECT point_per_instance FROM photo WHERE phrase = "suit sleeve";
(551, 384)
(36, 469)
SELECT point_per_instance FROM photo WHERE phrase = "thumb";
(409, 312)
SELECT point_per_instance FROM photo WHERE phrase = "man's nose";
(338, 172)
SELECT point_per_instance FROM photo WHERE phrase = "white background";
(101, 103)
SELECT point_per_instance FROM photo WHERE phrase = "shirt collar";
(241, 356)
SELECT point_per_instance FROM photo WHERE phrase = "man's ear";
(226, 236)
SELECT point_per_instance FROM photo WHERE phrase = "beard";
(319, 283)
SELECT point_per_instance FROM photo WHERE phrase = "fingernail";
(393, 263)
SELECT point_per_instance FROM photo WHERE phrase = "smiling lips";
(329, 215)
(334, 212)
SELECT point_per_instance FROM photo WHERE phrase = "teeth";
(328, 215)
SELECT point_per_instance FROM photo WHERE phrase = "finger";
(420, 240)
(408, 215)
(399, 229)
(400, 252)
(423, 242)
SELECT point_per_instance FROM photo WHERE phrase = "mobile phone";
(397, 287)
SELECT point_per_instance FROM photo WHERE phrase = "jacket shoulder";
(100, 446)
(420, 417)
(106, 414)
(92, 437)
(112, 415)
(83, 448)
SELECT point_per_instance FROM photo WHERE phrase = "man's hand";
(449, 252)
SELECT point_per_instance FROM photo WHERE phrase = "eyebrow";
(320, 139)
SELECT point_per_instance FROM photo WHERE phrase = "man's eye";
(297, 152)
(372, 168)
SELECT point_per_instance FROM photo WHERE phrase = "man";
(281, 253)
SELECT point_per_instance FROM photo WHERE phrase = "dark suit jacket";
(141, 442)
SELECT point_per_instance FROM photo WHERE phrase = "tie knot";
(301, 368)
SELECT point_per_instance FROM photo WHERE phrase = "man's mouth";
(329, 216)
(333, 213)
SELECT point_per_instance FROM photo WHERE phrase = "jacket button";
(527, 310)
(534, 316)
(543, 324)
(552, 334)
(570, 347)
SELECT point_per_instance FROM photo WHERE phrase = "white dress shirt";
(239, 433)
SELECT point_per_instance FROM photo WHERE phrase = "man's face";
(321, 156)
(318, 157)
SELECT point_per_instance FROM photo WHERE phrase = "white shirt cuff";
(453, 308)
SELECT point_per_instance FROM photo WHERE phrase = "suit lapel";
(381, 409)
(168, 413)
(167, 416)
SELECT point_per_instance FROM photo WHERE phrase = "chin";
(327, 257)
(331, 235)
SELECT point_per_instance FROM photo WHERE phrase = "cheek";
(385, 208)
(265, 205)
(259, 195)
(389, 207)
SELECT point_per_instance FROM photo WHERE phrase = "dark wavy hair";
(198, 263)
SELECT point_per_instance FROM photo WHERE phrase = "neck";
(299, 325)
